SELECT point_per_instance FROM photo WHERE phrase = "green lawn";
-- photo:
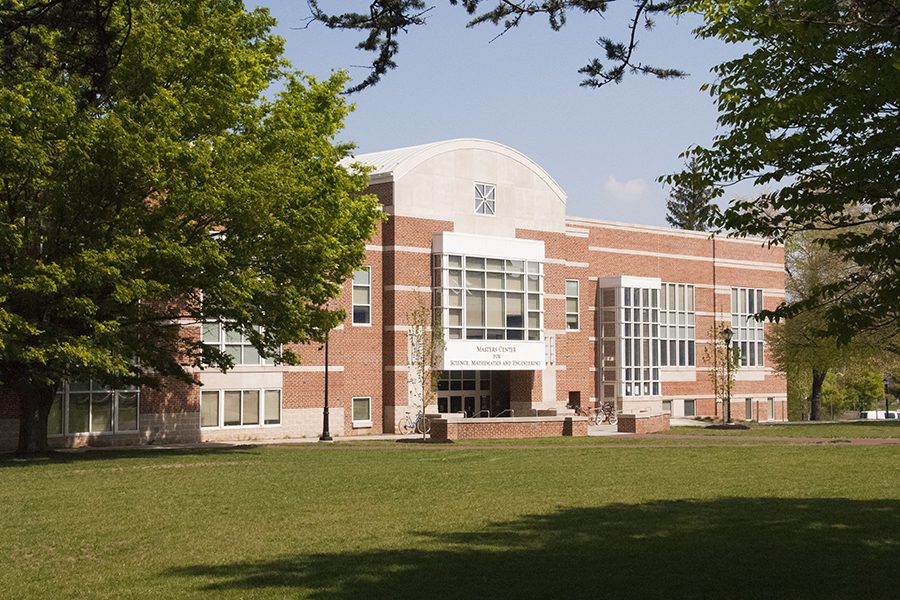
(884, 429)
(531, 520)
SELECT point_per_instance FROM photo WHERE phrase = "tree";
(386, 20)
(798, 347)
(690, 204)
(426, 338)
(723, 366)
(813, 108)
(148, 186)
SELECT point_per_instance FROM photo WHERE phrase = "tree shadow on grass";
(91, 455)
(729, 547)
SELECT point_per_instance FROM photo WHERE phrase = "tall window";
(488, 298)
(676, 325)
(234, 344)
(640, 318)
(240, 408)
(748, 332)
(485, 199)
(572, 305)
(362, 296)
(88, 407)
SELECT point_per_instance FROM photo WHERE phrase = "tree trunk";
(35, 403)
(815, 398)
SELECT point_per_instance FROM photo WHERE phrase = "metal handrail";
(511, 412)
(481, 413)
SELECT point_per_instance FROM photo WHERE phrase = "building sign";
(493, 355)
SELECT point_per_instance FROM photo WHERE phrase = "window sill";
(362, 424)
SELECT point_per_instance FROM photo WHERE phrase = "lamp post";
(326, 435)
(887, 383)
(727, 334)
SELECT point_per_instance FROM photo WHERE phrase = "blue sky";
(604, 147)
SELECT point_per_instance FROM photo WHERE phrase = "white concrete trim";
(661, 230)
(408, 288)
(724, 263)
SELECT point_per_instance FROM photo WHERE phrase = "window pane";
(474, 309)
(128, 411)
(473, 262)
(101, 412)
(272, 411)
(495, 281)
(474, 279)
(79, 413)
(361, 315)
(571, 305)
(514, 282)
(232, 410)
(251, 407)
(55, 419)
(454, 298)
(232, 337)
(534, 283)
(235, 353)
(251, 355)
(361, 277)
(515, 266)
(494, 309)
(361, 295)
(211, 333)
(361, 409)
(209, 409)
(571, 288)
(494, 264)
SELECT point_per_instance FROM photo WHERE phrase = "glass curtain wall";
(483, 298)
(629, 342)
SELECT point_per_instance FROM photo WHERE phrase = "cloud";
(624, 191)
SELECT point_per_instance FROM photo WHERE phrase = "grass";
(884, 429)
(532, 520)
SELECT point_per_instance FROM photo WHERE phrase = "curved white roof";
(394, 164)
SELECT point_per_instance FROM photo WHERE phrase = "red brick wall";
(629, 423)
(471, 429)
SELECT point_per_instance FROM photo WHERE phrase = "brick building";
(540, 310)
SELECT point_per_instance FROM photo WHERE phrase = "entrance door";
(469, 406)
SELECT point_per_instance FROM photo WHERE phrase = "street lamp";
(326, 435)
(727, 334)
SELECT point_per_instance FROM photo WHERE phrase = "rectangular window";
(770, 405)
(748, 409)
(272, 412)
(636, 311)
(572, 305)
(362, 412)
(747, 337)
(485, 199)
(240, 408)
(677, 337)
(362, 296)
(690, 408)
(233, 343)
(481, 298)
(209, 409)
(88, 407)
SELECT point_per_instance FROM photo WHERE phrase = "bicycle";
(592, 414)
(407, 425)
(608, 410)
